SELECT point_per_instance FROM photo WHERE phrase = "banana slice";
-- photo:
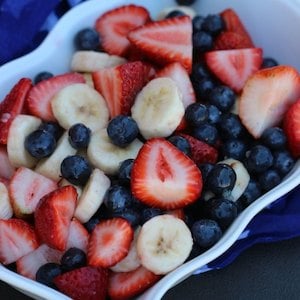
(185, 9)
(106, 156)
(131, 261)
(92, 196)
(6, 211)
(65, 182)
(88, 79)
(50, 166)
(164, 243)
(79, 103)
(20, 128)
(90, 61)
(158, 108)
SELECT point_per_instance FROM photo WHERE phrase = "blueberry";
(199, 72)
(214, 114)
(205, 169)
(79, 136)
(117, 198)
(269, 62)
(87, 39)
(222, 210)
(221, 179)
(53, 128)
(259, 159)
(150, 212)
(207, 133)
(251, 193)
(203, 88)
(222, 97)
(196, 114)
(213, 24)
(234, 148)
(274, 138)
(181, 143)
(206, 232)
(202, 41)
(76, 169)
(129, 214)
(122, 130)
(124, 173)
(283, 162)
(47, 272)
(42, 76)
(73, 258)
(185, 2)
(197, 23)
(174, 14)
(231, 127)
(40, 143)
(268, 179)
(91, 223)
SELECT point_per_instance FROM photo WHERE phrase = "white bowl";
(263, 19)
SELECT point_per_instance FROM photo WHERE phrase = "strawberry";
(126, 285)
(178, 213)
(165, 41)
(120, 85)
(12, 105)
(162, 176)
(17, 238)
(78, 236)
(231, 40)
(26, 188)
(114, 25)
(267, 96)
(6, 170)
(233, 23)
(39, 97)
(292, 128)
(5, 181)
(109, 242)
(53, 216)
(200, 151)
(85, 283)
(28, 264)
(234, 67)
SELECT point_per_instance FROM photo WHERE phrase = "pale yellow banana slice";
(6, 211)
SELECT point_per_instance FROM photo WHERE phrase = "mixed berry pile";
(139, 158)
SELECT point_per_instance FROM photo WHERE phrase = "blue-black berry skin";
(206, 232)
(196, 114)
(181, 143)
(251, 193)
(269, 179)
(207, 133)
(40, 144)
(199, 72)
(283, 162)
(42, 76)
(222, 97)
(131, 215)
(122, 130)
(87, 39)
(205, 169)
(53, 128)
(213, 24)
(79, 136)
(150, 212)
(203, 87)
(231, 127)
(234, 148)
(185, 2)
(124, 173)
(269, 62)
(76, 169)
(73, 258)
(274, 138)
(259, 159)
(117, 198)
(202, 41)
(91, 223)
(197, 23)
(47, 272)
(174, 14)
(214, 114)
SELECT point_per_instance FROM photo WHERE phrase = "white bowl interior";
(263, 19)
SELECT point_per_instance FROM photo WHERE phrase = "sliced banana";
(6, 211)
(158, 108)
(242, 178)
(50, 166)
(164, 243)
(20, 128)
(185, 9)
(131, 261)
(92, 195)
(88, 79)
(90, 61)
(79, 103)
(106, 156)
(65, 182)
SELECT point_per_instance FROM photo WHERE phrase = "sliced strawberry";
(165, 41)
(267, 96)
(231, 40)
(53, 216)
(126, 285)
(120, 85)
(12, 105)
(28, 264)
(200, 151)
(39, 97)
(178, 213)
(17, 238)
(292, 128)
(86, 283)
(78, 236)
(234, 23)
(4, 181)
(109, 242)
(162, 176)
(234, 67)
(114, 25)
(26, 188)
(6, 170)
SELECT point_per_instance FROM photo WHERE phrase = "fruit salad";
(141, 156)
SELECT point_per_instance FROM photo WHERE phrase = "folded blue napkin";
(23, 26)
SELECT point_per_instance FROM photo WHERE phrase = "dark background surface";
(266, 271)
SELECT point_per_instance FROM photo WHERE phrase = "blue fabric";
(25, 23)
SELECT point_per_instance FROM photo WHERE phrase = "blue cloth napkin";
(23, 26)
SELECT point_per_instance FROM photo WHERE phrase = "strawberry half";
(162, 176)
(234, 67)
(26, 188)
(267, 96)
(114, 25)
(53, 216)
(165, 41)
(109, 242)
(120, 85)
(231, 40)
(6, 170)
(39, 97)
(78, 236)
(86, 283)
(17, 238)
(12, 105)
(292, 128)
(126, 285)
